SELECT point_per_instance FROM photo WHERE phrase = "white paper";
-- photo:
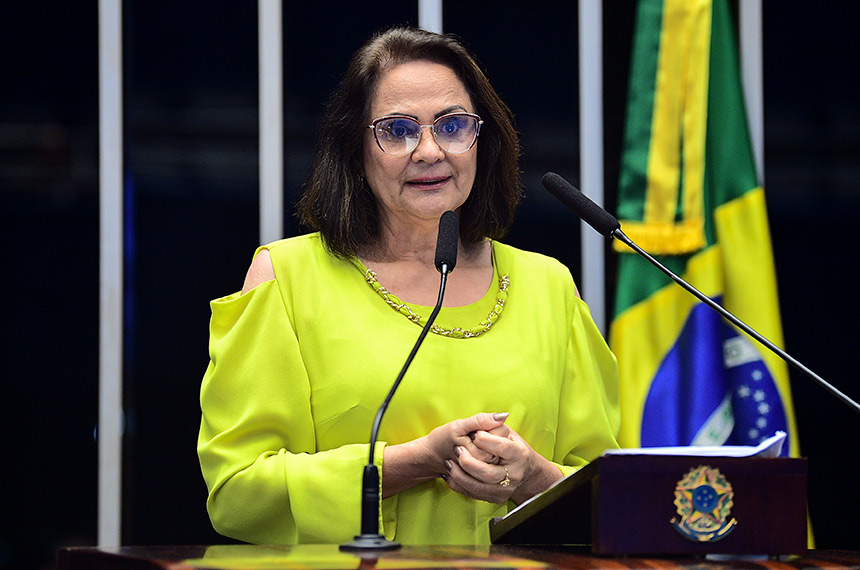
(770, 447)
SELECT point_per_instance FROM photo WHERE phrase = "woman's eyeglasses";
(399, 135)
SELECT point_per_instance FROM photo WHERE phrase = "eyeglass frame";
(479, 121)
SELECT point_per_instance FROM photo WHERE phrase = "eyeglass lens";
(454, 133)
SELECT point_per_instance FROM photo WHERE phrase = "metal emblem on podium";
(704, 499)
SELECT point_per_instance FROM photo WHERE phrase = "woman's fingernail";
(458, 450)
(444, 477)
(448, 464)
(502, 416)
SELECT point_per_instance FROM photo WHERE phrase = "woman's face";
(425, 183)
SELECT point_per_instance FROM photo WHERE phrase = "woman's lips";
(429, 183)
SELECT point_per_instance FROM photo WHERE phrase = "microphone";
(446, 243)
(370, 539)
(607, 225)
(592, 214)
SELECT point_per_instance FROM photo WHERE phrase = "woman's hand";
(408, 464)
(447, 438)
(519, 474)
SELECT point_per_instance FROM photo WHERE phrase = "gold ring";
(507, 480)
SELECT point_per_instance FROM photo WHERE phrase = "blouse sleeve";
(589, 415)
(257, 447)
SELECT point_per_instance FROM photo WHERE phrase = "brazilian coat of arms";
(704, 499)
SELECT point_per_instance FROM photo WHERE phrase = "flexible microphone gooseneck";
(370, 539)
(607, 225)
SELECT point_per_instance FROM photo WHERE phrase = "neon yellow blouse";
(300, 365)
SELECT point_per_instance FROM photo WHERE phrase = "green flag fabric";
(689, 194)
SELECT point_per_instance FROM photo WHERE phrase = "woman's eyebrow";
(441, 113)
(450, 109)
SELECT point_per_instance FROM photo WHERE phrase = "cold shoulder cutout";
(260, 271)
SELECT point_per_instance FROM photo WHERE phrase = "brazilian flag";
(690, 196)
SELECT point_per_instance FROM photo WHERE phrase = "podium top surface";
(329, 557)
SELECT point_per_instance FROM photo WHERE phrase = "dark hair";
(336, 200)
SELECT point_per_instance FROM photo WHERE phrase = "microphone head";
(446, 243)
(592, 214)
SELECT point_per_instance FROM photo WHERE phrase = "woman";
(515, 390)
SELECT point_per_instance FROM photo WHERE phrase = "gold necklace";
(453, 332)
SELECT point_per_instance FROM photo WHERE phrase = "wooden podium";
(669, 505)
(496, 557)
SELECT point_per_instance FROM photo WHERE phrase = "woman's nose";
(428, 150)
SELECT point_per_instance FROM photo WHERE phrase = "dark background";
(191, 223)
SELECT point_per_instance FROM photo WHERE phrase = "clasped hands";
(479, 456)
(485, 459)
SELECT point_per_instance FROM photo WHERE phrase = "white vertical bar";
(753, 76)
(110, 272)
(430, 15)
(591, 151)
(269, 17)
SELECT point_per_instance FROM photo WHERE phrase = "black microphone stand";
(606, 224)
(621, 236)
(370, 539)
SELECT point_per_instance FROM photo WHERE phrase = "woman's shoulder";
(525, 260)
(304, 244)
(536, 269)
(275, 259)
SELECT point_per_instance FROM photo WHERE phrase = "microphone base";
(368, 542)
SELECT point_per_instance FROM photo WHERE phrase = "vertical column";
(753, 77)
(110, 272)
(591, 152)
(270, 34)
(430, 15)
